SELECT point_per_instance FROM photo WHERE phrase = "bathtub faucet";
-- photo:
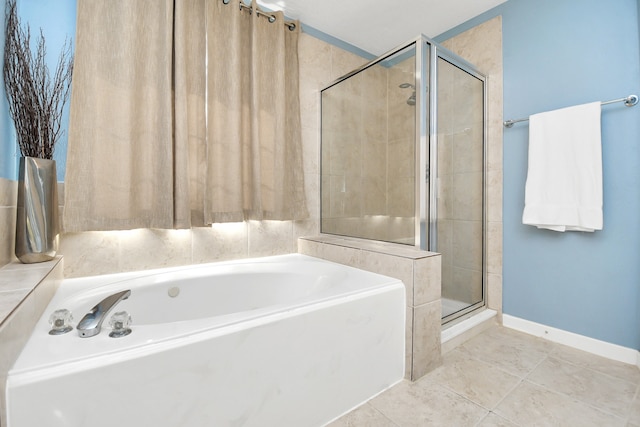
(92, 321)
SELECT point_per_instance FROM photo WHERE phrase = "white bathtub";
(280, 341)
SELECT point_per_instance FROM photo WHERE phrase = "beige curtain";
(190, 139)
(253, 112)
(119, 172)
(160, 139)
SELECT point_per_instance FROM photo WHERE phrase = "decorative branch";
(35, 100)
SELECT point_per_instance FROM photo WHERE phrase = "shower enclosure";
(403, 161)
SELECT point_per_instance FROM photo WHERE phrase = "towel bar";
(629, 101)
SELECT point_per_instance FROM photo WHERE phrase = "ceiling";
(377, 26)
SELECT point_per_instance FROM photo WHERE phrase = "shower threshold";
(455, 333)
(450, 306)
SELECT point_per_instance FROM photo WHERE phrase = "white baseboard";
(581, 342)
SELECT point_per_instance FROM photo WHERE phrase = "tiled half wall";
(420, 273)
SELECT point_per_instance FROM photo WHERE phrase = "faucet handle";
(119, 323)
(60, 322)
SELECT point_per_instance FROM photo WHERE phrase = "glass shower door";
(368, 151)
(460, 188)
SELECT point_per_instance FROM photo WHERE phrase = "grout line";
(576, 400)
(593, 369)
(497, 415)
(526, 376)
(518, 384)
(383, 414)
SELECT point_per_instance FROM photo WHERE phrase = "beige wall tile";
(427, 279)
(302, 228)
(467, 148)
(401, 157)
(467, 244)
(343, 62)
(145, 249)
(494, 196)
(8, 192)
(8, 199)
(90, 253)
(392, 266)
(314, 58)
(467, 196)
(311, 248)
(7, 234)
(408, 344)
(220, 242)
(374, 197)
(494, 248)
(494, 293)
(312, 194)
(340, 254)
(402, 196)
(311, 150)
(270, 238)
(467, 285)
(427, 352)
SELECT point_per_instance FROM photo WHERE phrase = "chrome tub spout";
(92, 321)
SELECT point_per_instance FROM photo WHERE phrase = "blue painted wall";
(8, 148)
(559, 53)
(57, 22)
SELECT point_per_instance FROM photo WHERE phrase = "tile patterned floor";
(506, 378)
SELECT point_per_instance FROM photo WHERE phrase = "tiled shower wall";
(368, 132)
(353, 130)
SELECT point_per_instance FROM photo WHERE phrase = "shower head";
(412, 99)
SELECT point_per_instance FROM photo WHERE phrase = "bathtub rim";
(187, 331)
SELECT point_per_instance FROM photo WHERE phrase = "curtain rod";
(629, 101)
(271, 18)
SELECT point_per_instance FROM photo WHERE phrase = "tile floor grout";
(550, 355)
(531, 400)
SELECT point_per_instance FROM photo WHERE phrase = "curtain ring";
(225, 1)
(272, 19)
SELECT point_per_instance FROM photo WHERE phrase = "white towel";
(564, 180)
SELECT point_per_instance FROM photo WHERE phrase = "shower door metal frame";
(432, 169)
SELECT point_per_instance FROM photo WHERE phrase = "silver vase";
(37, 211)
